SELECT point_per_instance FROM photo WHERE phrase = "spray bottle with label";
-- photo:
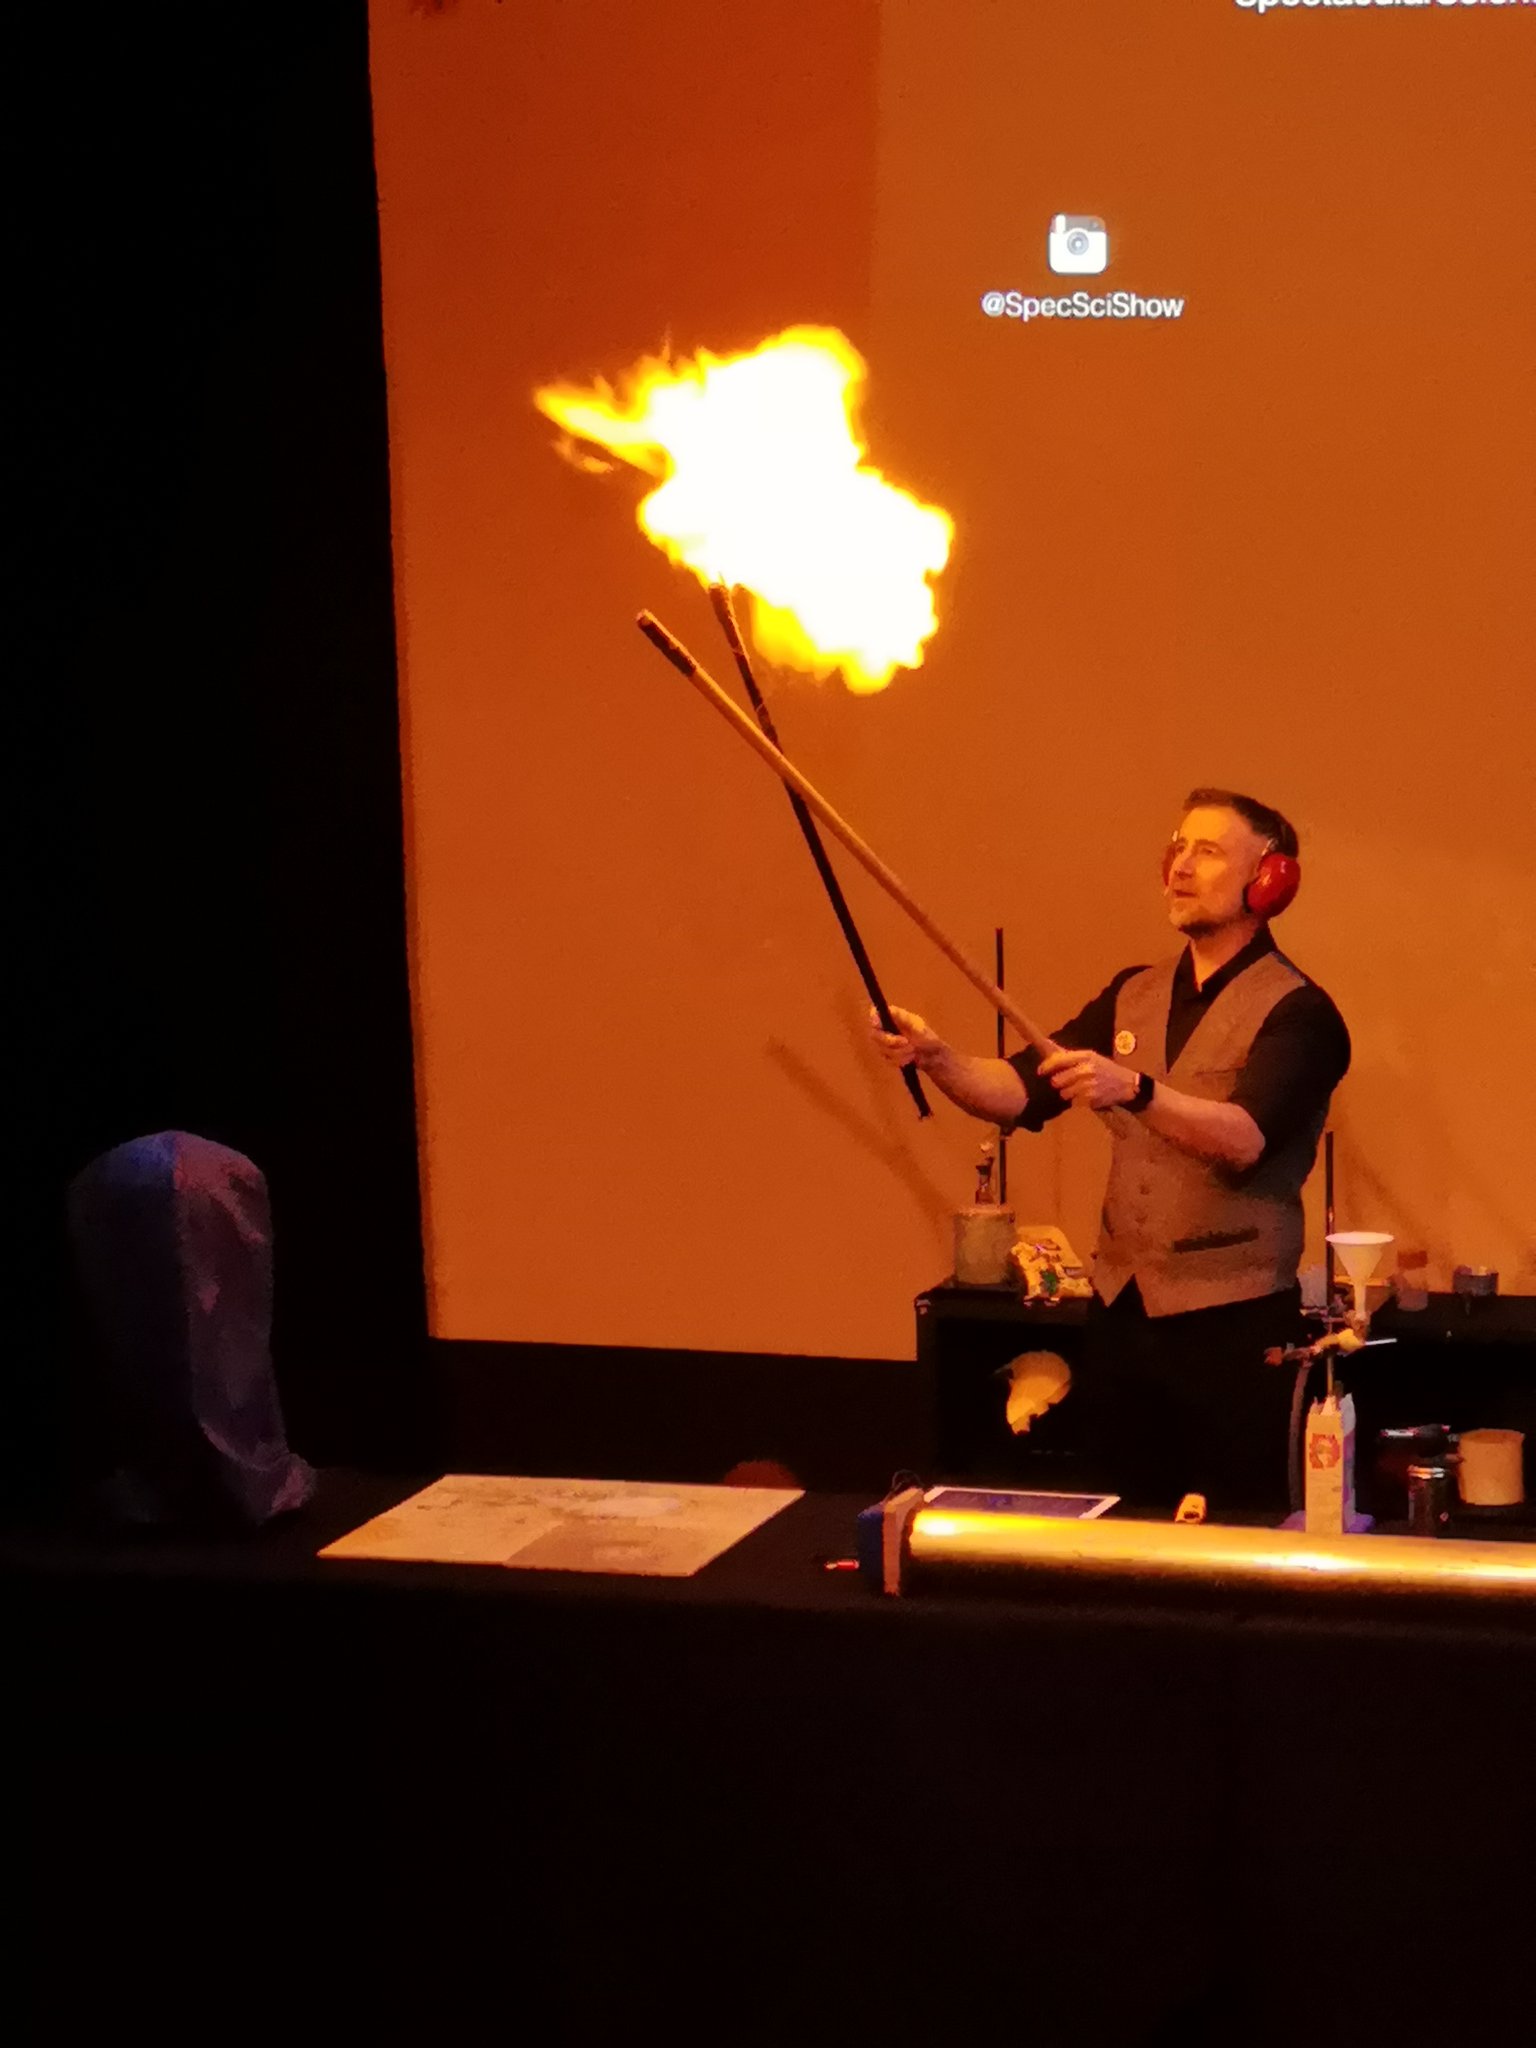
(1330, 1463)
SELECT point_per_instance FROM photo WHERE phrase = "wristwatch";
(1144, 1087)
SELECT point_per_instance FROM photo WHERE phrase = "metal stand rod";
(1002, 1136)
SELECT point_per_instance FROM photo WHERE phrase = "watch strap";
(1145, 1085)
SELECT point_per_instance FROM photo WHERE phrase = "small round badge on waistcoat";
(1125, 1041)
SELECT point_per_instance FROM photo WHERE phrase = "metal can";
(1481, 1282)
(1429, 1499)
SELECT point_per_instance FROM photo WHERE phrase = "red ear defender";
(1274, 887)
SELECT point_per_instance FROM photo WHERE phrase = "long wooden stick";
(835, 823)
(725, 612)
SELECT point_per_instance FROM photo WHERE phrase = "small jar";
(1429, 1500)
(984, 1238)
(1384, 1477)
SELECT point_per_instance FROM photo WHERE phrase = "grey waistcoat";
(1192, 1231)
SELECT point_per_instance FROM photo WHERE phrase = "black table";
(758, 1802)
(1464, 1362)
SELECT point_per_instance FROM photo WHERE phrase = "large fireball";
(763, 485)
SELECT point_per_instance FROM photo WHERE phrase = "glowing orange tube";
(1211, 1555)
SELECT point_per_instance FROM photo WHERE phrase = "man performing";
(1218, 1064)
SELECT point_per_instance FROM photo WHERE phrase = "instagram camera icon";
(1078, 245)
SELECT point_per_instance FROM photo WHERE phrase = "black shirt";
(1299, 1055)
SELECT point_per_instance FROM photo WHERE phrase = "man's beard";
(1199, 928)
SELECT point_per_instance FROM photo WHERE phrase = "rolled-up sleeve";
(1091, 1030)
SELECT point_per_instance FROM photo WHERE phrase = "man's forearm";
(1216, 1130)
(990, 1089)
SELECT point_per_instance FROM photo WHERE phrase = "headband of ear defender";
(1272, 889)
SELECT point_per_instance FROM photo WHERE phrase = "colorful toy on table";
(1049, 1269)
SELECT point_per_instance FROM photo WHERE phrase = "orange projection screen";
(1211, 325)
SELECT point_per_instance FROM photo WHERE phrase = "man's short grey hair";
(1269, 823)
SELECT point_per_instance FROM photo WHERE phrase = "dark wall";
(214, 936)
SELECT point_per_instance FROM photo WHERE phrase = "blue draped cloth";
(172, 1242)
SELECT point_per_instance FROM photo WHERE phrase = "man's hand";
(910, 1044)
(986, 1088)
(1088, 1080)
(1215, 1130)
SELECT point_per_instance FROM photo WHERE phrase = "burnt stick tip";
(660, 638)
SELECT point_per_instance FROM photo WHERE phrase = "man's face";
(1215, 855)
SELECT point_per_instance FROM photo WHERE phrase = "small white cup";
(1490, 1474)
